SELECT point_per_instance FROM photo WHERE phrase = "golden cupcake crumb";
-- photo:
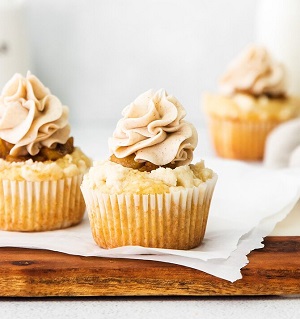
(112, 178)
(67, 166)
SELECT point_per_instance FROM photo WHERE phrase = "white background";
(97, 56)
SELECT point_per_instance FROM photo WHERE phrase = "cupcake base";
(175, 220)
(240, 139)
(40, 206)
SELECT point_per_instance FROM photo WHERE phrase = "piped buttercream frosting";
(254, 72)
(154, 129)
(31, 117)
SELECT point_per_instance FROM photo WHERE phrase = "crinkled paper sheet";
(247, 204)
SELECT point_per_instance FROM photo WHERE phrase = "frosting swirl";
(254, 72)
(31, 117)
(153, 128)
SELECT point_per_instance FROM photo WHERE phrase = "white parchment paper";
(247, 204)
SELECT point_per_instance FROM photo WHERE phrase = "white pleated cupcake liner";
(175, 220)
(240, 139)
(40, 206)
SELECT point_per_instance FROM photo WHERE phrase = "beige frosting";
(254, 72)
(153, 128)
(31, 117)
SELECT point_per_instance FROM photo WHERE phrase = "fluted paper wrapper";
(40, 206)
(240, 139)
(175, 220)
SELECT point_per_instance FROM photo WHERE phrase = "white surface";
(151, 308)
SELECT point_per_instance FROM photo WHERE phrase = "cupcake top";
(254, 72)
(67, 166)
(113, 178)
(253, 88)
(31, 117)
(35, 142)
(248, 107)
(153, 132)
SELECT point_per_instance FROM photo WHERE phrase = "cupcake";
(40, 169)
(253, 100)
(148, 193)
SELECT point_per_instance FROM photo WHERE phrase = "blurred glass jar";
(278, 27)
(14, 47)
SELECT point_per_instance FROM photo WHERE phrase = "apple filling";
(45, 153)
(129, 161)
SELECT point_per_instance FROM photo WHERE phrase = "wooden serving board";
(273, 270)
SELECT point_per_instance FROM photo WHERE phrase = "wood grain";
(274, 270)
